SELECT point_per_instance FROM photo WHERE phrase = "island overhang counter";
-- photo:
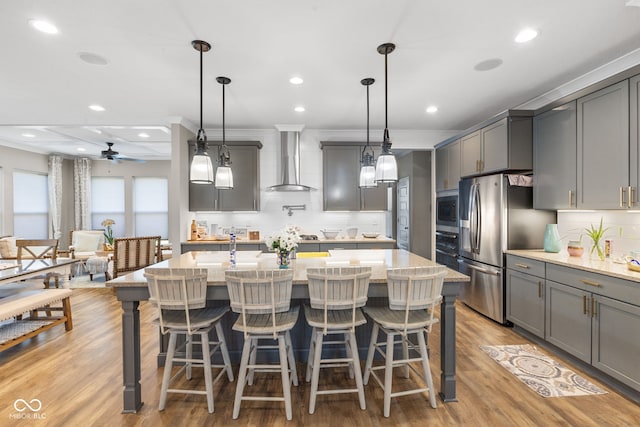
(132, 288)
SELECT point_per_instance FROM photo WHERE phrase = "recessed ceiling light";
(44, 26)
(28, 135)
(143, 135)
(296, 80)
(299, 109)
(96, 107)
(92, 58)
(526, 35)
(81, 149)
(432, 109)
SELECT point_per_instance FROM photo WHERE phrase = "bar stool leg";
(356, 368)
(388, 373)
(224, 350)
(189, 349)
(242, 376)
(168, 365)
(316, 371)
(252, 358)
(310, 356)
(347, 347)
(206, 364)
(405, 354)
(370, 353)
(291, 359)
(427, 369)
(284, 370)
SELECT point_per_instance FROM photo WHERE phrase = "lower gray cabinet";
(615, 346)
(568, 319)
(525, 301)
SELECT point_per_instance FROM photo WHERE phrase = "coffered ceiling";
(135, 59)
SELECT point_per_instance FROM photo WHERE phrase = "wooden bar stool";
(180, 296)
(335, 295)
(263, 298)
(414, 294)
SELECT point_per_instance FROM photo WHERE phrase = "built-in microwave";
(447, 211)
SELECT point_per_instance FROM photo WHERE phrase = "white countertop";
(608, 267)
(358, 239)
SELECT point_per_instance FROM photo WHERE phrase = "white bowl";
(352, 232)
(370, 235)
(330, 234)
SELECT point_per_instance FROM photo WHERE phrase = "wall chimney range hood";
(290, 159)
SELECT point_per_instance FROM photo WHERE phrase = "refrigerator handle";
(478, 207)
(471, 217)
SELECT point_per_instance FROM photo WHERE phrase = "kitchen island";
(588, 308)
(132, 288)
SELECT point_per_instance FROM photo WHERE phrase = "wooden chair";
(414, 294)
(40, 250)
(134, 253)
(180, 297)
(263, 297)
(335, 297)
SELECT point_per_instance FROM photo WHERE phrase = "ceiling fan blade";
(129, 159)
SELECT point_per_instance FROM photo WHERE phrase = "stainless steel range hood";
(290, 160)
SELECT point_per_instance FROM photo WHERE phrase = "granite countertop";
(610, 267)
(358, 239)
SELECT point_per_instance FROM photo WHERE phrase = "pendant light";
(367, 160)
(224, 175)
(201, 170)
(386, 166)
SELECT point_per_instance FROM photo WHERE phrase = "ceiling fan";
(111, 154)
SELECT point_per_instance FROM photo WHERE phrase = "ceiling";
(151, 78)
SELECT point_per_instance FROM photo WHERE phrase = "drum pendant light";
(386, 166)
(201, 169)
(224, 175)
(367, 160)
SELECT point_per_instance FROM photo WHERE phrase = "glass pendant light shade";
(224, 178)
(386, 166)
(368, 177)
(224, 174)
(201, 169)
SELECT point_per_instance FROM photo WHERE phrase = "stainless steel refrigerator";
(494, 216)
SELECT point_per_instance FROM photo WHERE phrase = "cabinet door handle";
(539, 289)
(570, 198)
(593, 307)
(480, 162)
(622, 197)
(477, 166)
(522, 265)
(584, 304)
(590, 282)
(630, 197)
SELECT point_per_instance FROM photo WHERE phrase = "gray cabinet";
(448, 166)
(554, 158)
(526, 294)
(603, 148)
(341, 178)
(634, 134)
(502, 145)
(245, 194)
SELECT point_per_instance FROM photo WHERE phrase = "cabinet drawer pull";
(590, 282)
(522, 265)
(584, 304)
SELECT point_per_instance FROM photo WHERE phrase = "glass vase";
(283, 259)
(597, 248)
(552, 238)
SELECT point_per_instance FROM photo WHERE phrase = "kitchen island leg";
(450, 291)
(132, 393)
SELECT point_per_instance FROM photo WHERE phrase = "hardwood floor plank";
(78, 378)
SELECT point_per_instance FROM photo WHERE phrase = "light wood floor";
(77, 376)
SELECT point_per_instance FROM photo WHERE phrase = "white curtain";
(55, 196)
(82, 193)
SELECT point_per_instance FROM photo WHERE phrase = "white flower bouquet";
(284, 241)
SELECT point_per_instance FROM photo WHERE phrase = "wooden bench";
(14, 328)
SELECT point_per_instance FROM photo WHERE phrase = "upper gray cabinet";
(554, 158)
(245, 194)
(341, 177)
(448, 166)
(503, 145)
(603, 149)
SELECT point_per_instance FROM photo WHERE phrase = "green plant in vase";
(596, 235)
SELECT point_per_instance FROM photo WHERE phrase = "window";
(107, 201)
(151, 207)
(30, 205)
